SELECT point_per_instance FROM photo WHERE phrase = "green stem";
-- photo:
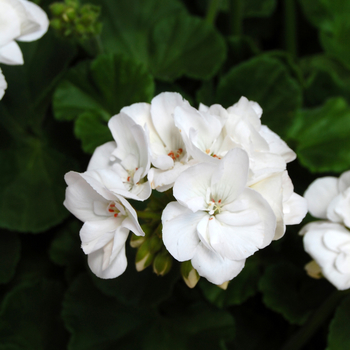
(148, 215)
(236, 10)
(315, 321)
(212, 11)
(290, 27)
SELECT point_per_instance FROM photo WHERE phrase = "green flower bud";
(57, 8)
(71, 14)
(56, 24)
(136, 241)
(144, 257)
(155, 244)
(162, 263)
(189, 274)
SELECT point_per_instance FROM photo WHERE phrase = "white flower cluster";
(20, 20)
(228, 174)
(328, 241)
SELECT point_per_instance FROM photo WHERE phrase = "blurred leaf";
(325, 78)
(267, 81)
(99, 322)
(10, 251)
(45, 62)
(142, 289)
(338, 336)
(239, 289)
(32, 186)
(331, 17)
(93, 92)
(65, 249)
(163, 36)
(29, 317)
(258, 8)
(323, 136)
(289, 291)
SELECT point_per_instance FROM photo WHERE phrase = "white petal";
(39, 17)
(334, 206)
(334, 238)
(215, 268)
(319, 195)
(162, 109)
(180, 230)
(341, 207)
(3, 85)
(11, 15)
(294, 209)
(11, 54)
(342, 263)
(344, 181)
(101, 157)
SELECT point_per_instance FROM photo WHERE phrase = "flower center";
(113, 209)
(214, 207)
(207, 151)
(175, 155)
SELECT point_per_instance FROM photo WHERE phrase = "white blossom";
(168, 152)
(329, 198)
(127, 156)
(217, 221)
(20, 20)
(328, 244)
(107, 217)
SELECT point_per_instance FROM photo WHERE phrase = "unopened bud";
(57, 8)
(162, 263)
(313, 270)
(224, 285)
(155, 244)
(144, 257)
(189, 274)
(136, 241)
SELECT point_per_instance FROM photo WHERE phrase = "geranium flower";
(3, 85)
(20, 20)
(329, 198)
(217, 221)
(107, 217)
(128, 156)
(328, 244)
(168, 151)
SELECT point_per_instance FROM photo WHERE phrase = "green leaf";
(141, 289)
(325, 78)
(258, 8)
(29, 317)
(289, 291)
(338, 336)
(93, 92)
(83, 305)
(239, 289)
(331, 18)
(322, 136)
(163, 36)
(10, 251)
(32, 186)
(267, 81)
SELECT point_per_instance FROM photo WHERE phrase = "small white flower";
(107, 218)
(217, 222)
(128, 156)
(329, 198)
(20, 20)
(3, 85)
(329, 245)
(168, 152)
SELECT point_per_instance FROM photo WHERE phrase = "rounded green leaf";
(267, 81)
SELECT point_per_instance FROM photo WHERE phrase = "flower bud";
(144, 257)
(162, 263)
(313, 269)
(189, 274)
(136, 241)
(155, 244)
(224, 285)
(57, 8)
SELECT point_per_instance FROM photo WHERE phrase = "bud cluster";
(72, 20)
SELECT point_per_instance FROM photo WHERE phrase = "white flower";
(289, 207)
(168, 152)
(107, 218)
(329, 245)
(20, 20)
(128, 156)
(329, 198)
(217, 222)
(3, 85)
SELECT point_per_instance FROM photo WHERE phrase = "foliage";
(55, 112)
